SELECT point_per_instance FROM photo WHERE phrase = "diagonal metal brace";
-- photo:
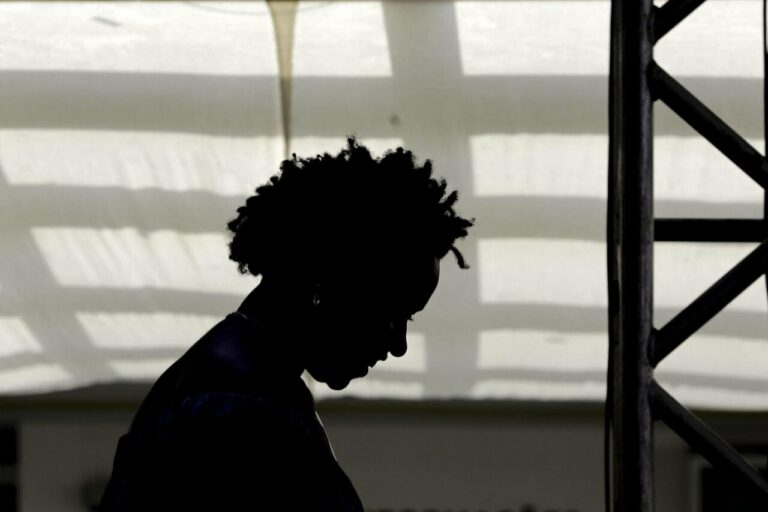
(670, 14)
(706, 122)
(709, 303)
(703, 439)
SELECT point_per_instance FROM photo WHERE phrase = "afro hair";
(318, 209)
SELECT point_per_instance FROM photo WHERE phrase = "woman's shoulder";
(226, 370)
(221, 368)
(222, 342)
(221, 360)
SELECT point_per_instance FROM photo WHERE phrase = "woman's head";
(370, 232)
(363, 315)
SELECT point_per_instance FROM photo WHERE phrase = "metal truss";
(635, 400)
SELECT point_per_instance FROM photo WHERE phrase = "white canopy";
(130, 132)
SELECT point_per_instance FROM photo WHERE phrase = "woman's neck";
(270, 313)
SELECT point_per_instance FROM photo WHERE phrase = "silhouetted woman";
(348, 248)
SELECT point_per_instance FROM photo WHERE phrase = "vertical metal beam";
(765, 116)
(632, 132)
(634, 345)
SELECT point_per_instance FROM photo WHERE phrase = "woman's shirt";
(260, 447)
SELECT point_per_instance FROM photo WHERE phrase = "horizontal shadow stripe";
(112, 393)
(123, 300)
(246, 105)
(141, 353)
(731, 382)
(559, 318)
(115, 207)
(23, 360)
(544, 376)
(578, 377)
(573, 218)
(205, 104)
(588, 319)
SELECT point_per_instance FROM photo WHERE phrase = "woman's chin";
(340, 383)
(337, 385)
(337, 378)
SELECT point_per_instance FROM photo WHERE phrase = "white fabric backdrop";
(130, 132)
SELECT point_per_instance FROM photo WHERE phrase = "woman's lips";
(377, 359)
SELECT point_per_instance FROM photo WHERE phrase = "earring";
(316, 297)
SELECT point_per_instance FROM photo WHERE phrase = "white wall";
(461, 460)
(470, 463)
(58, 457)
(475, 462)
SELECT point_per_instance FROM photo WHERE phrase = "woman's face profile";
(363, 316)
